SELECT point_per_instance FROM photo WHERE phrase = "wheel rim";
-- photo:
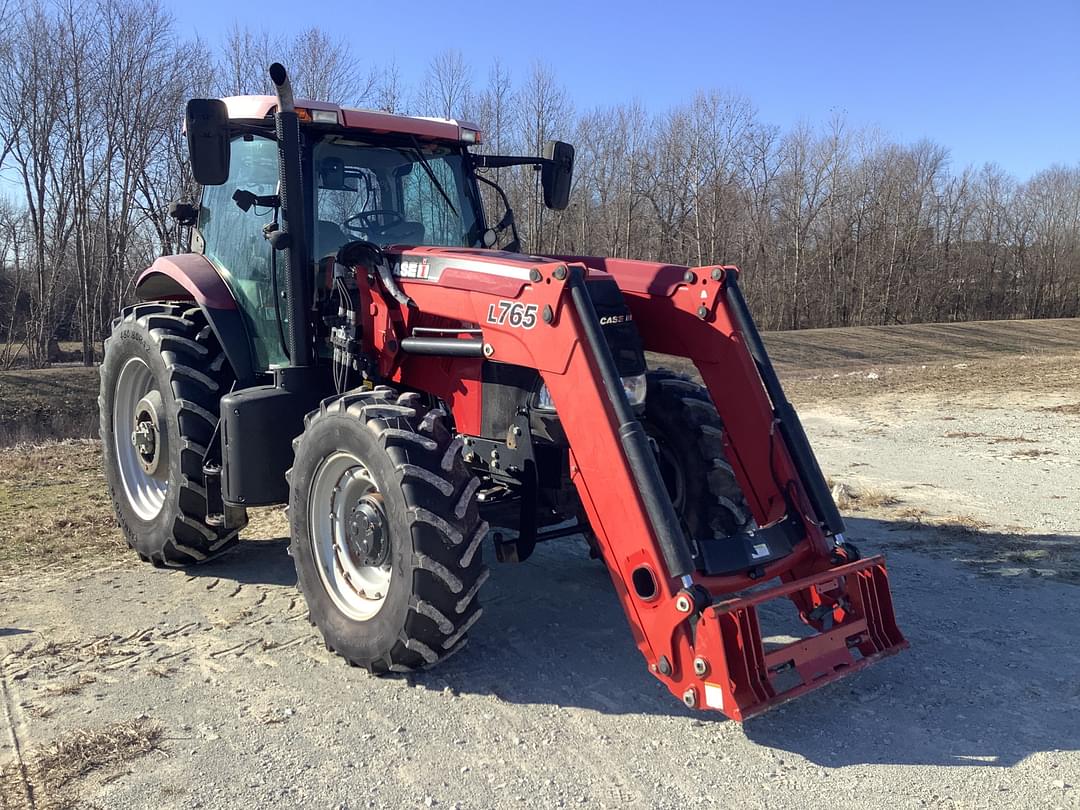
(349, 535)
(145, 492)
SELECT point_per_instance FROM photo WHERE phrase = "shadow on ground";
(259, 562)
(990, 677)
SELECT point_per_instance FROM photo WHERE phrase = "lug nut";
(689, 697)
(701, 666)
(682, 603)
(488, 350)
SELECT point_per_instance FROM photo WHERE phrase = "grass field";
(61, 402)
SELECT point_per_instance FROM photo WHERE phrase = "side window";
(423, 202)
(234, 241)
(355, 192)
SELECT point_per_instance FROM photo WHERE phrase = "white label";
(714, 696)
(513, 313)
(760, 550)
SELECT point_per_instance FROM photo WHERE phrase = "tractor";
(342, 334)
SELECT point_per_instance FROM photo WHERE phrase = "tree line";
(832, 225)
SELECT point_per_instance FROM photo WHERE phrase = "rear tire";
(167, 355)
(400, 596)
(689, 441)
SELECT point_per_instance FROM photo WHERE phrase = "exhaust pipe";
(280, 77)
(294, 225)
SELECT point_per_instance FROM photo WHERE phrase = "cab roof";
(258, 108)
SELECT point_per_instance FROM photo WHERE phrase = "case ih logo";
(413, 268)
(607, 320)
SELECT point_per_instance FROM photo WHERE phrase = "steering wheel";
(364, 222)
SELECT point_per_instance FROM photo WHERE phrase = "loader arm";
(705, 646)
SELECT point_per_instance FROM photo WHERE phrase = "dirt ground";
(128, 687)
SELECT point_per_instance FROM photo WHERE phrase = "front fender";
(192, 277)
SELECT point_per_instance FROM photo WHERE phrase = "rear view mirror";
(207, 123)
(557, 173)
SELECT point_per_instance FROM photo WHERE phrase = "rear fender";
(191, 277)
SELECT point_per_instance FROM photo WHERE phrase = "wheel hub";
(148, 435)
(366, 532)
(351, 535)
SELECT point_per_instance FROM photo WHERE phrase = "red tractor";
(343, 337)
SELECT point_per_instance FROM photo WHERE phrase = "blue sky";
(993, 81)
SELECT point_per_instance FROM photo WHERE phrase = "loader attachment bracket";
(855, 626)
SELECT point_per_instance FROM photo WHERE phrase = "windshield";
(392, 195)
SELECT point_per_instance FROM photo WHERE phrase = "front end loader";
(344, 337)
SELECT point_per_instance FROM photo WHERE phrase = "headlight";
(634, 387)
(543, 401)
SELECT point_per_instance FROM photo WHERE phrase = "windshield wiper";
(431, 174)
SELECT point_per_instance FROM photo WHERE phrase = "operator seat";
(328, 238)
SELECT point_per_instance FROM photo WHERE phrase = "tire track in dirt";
(18, 773)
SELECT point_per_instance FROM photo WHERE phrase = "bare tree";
(323, 67)
(831, 226)
(447, 88)
(389, 92)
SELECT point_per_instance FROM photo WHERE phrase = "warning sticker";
(760, 550)
(714, 696)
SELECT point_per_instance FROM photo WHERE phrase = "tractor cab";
(370, 178)
(386, 180)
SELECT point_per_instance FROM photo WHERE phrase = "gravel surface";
(234, 701)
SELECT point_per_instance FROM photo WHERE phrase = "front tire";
(386, 531)
(688, 438)
(162, 378)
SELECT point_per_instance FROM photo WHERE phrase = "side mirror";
(557, 173)
(206, 121)
(183, 212)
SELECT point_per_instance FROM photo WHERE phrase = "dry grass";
(1071, 408)
(1033, 453)
(53, 505)
(967, 434)
(48, 779)
(855, 500)
(963, 525)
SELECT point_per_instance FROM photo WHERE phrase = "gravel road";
(550, 705)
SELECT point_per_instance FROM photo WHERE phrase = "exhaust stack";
(291, 193)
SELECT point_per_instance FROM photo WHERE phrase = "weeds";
(49, 772)
(849, 499)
